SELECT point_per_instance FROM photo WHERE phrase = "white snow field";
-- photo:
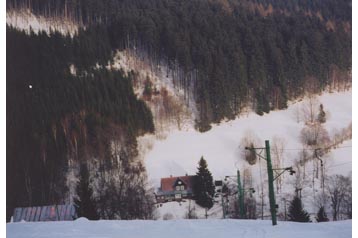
(177, 211)
(82, 228)
(180, 152)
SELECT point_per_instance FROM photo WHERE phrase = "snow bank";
(179, 210)
(179, 229)
(81, 219)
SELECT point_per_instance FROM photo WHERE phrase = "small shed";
(66, 212)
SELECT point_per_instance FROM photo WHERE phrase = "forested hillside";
(238, 54)
(56, 120)
(229, 54)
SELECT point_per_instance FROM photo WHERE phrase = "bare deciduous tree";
(277, 149)
(304, 156)
(310, 109)
(174, 110)
(314, 135)
(340, 194)
(249, 140)
(321, 200)
(249, 199)
(191, 214)
(322, 115)
(297, 113)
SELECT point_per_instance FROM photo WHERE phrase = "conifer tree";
(203, 186)
(321, 115)
(321, 215)
(296, 212)
(85, 204)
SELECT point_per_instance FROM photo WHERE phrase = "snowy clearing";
(83, 228)
(180, 152)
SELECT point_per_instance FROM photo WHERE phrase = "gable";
(179, 182)
(168, 184)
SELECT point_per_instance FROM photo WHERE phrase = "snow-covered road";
(83, 228)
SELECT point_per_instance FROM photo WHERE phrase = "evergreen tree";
(203, 186)
(85, 204)
(148, 89)
(296, 212)
(321, 215)
(321, 115)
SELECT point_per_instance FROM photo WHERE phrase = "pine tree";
(321, 215)
(296, 212)
(85, 204)
(203, 186)
(148, 89)
(321, 115)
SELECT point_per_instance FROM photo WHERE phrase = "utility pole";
(285, 210)
(262, 204)
(240, 196)
(322, 168)
(271, 179)
(270, 184)
(222, 204)
(298, 192)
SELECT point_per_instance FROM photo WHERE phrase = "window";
(177, 196)
(182, 187)
(177, 188)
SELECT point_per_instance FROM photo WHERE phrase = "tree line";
(240, 57)
(55, 117)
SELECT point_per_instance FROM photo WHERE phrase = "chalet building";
(175, 188)
(65, 212)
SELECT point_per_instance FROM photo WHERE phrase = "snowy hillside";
(180, 152)
(83, 228)
(26, 20)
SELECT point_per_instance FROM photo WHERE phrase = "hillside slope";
(180, 152)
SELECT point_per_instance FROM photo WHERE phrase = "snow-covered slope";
(83, 228)
(180, 152)
(25, 20)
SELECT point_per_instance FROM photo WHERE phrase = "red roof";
(167, 184)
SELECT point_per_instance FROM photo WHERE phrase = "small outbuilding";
(66, 212)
